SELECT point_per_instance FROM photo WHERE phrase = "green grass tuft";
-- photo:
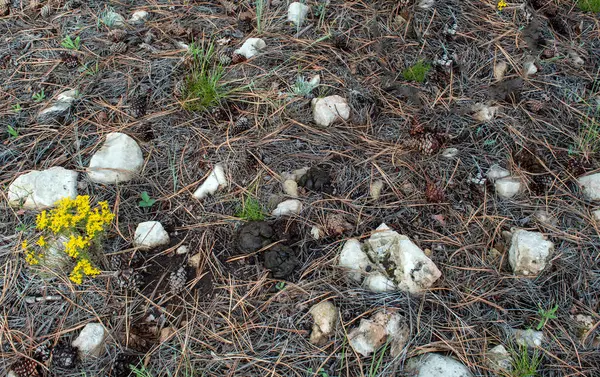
(417, 72)
(524, 364)
(251, 210)
(203, 86)
(589, 5)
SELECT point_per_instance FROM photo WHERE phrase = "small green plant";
(39, 96)
(524, 364)
(417, 72)
(545, 316)
(71, 44)
(260, 11)
(17, 108)
(589, 5)
(24, 227)
(280, 285)
(91, 69)
(146, 201)
(251, 210)
(203, 87)
(302, 87)
(12, 131)
(376, 362)
(109, 18)
(140, 372)
(321, 372)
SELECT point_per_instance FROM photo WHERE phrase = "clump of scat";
(317, 179)
(253, 236)
(281, 261)
(122, 365)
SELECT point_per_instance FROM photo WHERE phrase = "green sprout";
(146, 201)
(39, 96)
(71, 44)
(545, 316)
(251, 210)
(417, 72)
(12, 131)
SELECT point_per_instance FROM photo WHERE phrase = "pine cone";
(122, 365)
(238, 58)
(46, 11)
(117, 35)
(541, 184)
(336, 224)
(42, 352)
(434, 193)
(416, 127)
(535, 105)
(427, 143)
(179, 88)
(246, 22)
(71, 61)
(64, 356)
(241, 125)
(139, 105)
(27, 368)
(129, 279)
(118, 48)
(576, 167)
(177, 280)
(224, 57)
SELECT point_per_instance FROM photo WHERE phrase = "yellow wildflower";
(502, 4)
(24, 245)
(41, 242)
(74, 245)
(42, 221)
(31, 258)
(83, 267)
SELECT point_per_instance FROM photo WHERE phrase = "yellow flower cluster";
(501, 5)
(78, 223)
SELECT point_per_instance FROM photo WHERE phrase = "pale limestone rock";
(450, 153)
(182, 250)
(426, 4)
(529, 68)
(325, 317)
(508, 187)
(60, 108)
(496, 172)
(372, 333)
(90, 341)
(316, 232)
(529, 252)
(288, 208)
(139, 17)
(376, 281)
(590, 186)
(499, 360)
(195, 260)
(297, 12)
(596, 214)
(150, 234)
(329, 110)
(215, 181)
(500, 70)
(484, 113)
(529, 338)
(120, 159)
(290, 187)
(354, 259)
(42, 189)
(375, 189)
(436, 365)
(251, 47)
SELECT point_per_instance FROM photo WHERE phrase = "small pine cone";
(71, 61)
(72, 4)
(340, 41)
(46, 11)
(416, 127)
(64, 356)
(535, 105)
(434, 193)
(27, 368)
(139, 105)
(429, 143)
(241, 125)
(237, 58)
(117, 35)
(576, 167)
(118, 48)
(224, 58)
(541, 184)
(129, 279)
(42, 352)
(336, 224)
(177, 280)
(179, 88)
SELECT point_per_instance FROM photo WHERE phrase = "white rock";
(484, 113)
(450, 153)
(316, 232)
(195, 260)
(575, 58)
(314, 81)
(500, 70)
(596, 214)
(529, 252)
(496, 172)
(413, 271)
(42, 189)
(297, 12)
(436, 365)
(508, 187)
(288, 207)
(545, 218)
(529, 68)
(426, 4)
(376, 281)
(329, 110)
(139, 17)
(591, 186)
(150, 234)
(529, 338)
(296, 174)
(325, 316)
(119, 159)
(375, 189)
(354, 258)
(290, 187)
(59, 108)
(372, 333)
(499, 359)
(215, 181)
(90, 341)
(182, 250)
(55, 258)
(251, 47)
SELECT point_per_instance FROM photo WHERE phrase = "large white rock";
(354, 259)
(325, 316)
(251, 47)
(42, 189)
(529, 252)
(412, 270)
(376, 281)
(288, 208)
(119, 159)
(150, 234)
(59, 108)
(497, 172)
(215, 180)
(329, 110)
(508, 187)
(590, 185)
(297, 12)
(90, 341)
(436, 365)
(372, 333)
